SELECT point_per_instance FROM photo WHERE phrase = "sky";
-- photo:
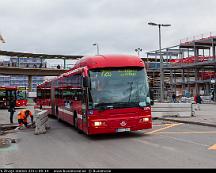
(71, 27)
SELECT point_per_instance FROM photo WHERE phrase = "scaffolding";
(189, 68)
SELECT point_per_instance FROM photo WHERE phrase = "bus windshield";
(2, 93)
(21, 95)
(118, 88)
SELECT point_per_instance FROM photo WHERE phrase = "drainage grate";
(5, 142)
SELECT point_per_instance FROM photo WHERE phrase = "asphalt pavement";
(206, 116)
(166, 145)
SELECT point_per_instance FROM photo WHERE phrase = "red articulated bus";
(18, 94)
(100, 94)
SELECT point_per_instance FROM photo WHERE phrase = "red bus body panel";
(20, 103)
(105, 61)
(127, 118)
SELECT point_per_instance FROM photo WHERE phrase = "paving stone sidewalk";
(206, 116)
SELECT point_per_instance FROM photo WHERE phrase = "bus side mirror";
(35, 100)
(151, 96)
(152, 102)
(86, 82)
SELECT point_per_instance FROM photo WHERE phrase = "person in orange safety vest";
(23, 117)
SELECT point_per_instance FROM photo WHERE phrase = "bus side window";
(77, 95)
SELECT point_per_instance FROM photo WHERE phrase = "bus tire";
(75, 120)
(57, 113)
(58, 118)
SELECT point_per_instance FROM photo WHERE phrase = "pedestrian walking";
(58, 66)
(11, 109)
(174, 98)
(212, 98)
(198, 101)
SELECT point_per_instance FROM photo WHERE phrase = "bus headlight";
(97, 123)
(90, 112)
(143, 120)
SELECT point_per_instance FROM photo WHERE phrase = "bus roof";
(106, 61)
(101, 61)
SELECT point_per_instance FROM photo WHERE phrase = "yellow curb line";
(170, 126)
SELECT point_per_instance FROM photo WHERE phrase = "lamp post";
(138, 50)
(161, 60)
(96, 44)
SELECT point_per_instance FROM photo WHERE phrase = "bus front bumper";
(105, 130)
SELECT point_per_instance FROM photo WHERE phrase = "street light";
(138, 50)
(161, 60)
(96, 44)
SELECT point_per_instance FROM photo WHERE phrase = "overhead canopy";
(37, 55)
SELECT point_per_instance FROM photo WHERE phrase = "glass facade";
(21, 80)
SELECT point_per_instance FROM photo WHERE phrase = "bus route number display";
(122, 73)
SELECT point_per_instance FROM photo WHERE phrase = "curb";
(187, 122)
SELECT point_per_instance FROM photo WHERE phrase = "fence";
(173, 109)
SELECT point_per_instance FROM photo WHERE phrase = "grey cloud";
(119, 26)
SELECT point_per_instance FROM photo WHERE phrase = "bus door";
(52, 101)
(58, 94)
(84, 111)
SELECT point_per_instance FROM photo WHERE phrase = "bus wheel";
(75, 120)
(59, 119)
(57, 114)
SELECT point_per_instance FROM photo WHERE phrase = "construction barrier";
(206, 99)
(41, 121)
(173, 109)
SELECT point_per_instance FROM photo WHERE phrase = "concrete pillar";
(196, 80)
(41, 62)
(183, 81)
(29, 83)
(18, 62)
(64, 63)
(171, 80)
(188, 80)
(175, 81)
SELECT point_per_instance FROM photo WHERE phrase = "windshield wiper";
(125, 104)
(104, 106)
(131, 89)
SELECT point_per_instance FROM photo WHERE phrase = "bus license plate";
(123, 130)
